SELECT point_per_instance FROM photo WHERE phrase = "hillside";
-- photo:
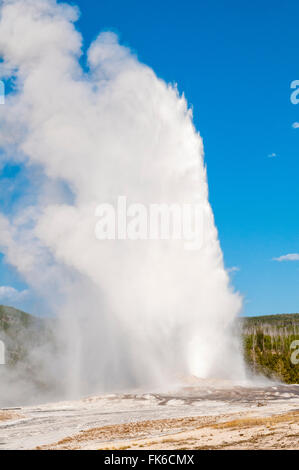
(21, 332)
(267, 345)
(267, 341)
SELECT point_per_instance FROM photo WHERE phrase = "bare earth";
(205, 416)
(277, 432)
(9, 415)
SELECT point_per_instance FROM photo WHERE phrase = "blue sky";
(235, 62)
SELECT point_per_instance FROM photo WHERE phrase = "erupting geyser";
(130, 313)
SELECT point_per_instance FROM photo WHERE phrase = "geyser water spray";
(131, 312)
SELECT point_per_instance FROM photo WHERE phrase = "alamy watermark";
(2, 353)
(294, 95)
(2, 92)
(295, 354)
(137, 221)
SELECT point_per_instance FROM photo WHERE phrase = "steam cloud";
(130, 313)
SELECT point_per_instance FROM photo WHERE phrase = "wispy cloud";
(233, 269)
(11, 294)
(295, 125)
(289, 257)
(272, 155)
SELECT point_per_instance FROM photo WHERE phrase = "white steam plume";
(130, 313)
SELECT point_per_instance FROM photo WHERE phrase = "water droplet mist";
(130, 313)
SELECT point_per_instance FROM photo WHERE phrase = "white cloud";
(272, 155)
(289, 257)
(233, 269)
(295, 125)
(11, 294)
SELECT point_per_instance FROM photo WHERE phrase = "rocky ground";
(200, 433)
(201, 416)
